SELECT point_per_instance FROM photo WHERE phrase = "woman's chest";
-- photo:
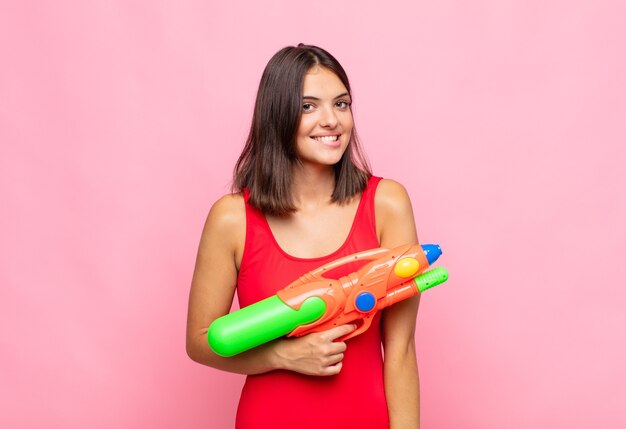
(315, 233)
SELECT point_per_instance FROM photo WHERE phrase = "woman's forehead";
(319, 81)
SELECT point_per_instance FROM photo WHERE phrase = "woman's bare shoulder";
(227, 219)
(394, 214)
(230, 209)
(391, 196)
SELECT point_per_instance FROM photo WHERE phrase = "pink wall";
(119, 125)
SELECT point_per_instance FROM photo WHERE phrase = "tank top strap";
(365, 221)
(252, 214)
(258, 233)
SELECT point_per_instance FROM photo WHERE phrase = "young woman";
(304, 196)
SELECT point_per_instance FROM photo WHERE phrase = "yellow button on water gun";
(406, 267)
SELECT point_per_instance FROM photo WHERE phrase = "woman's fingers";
(339, 331)
(318, 353)
(332, 369)
(334, 359)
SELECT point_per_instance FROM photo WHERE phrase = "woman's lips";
(331, 140)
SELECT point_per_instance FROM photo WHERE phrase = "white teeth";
(326, 138)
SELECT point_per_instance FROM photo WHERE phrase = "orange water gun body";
(315, 303)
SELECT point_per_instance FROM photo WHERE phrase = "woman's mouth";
(329, 140)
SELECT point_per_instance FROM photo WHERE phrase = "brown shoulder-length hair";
(266, 162)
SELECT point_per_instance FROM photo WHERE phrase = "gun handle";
(362, 326)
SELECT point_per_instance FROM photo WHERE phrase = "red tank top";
(355, 398)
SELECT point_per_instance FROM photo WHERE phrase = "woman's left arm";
(395, 226)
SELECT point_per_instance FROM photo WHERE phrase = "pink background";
(120, 122)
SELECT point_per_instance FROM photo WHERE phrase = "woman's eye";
(343, 104)
(307, 107)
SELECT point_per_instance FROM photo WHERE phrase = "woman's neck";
(312, 186)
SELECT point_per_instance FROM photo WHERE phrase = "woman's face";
(326, 122)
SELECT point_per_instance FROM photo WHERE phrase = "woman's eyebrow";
(310, 97)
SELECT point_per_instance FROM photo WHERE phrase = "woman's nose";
(329, 118)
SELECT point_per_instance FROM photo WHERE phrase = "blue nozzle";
(432, 252)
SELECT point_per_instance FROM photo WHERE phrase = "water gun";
(315, 303)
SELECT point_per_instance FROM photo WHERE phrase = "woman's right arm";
(212, 290)
(213, 287)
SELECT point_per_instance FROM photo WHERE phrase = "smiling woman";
(304, 196)
(295, 89)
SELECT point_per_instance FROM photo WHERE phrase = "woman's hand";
(313, 354)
